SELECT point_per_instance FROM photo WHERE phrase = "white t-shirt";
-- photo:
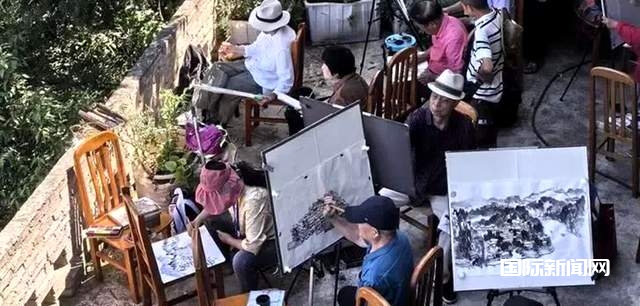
(268, 59)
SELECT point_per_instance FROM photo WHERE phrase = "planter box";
(341, 22)
(242, 33)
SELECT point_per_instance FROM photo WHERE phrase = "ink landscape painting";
(523, 219)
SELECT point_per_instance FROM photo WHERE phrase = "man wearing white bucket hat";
(267, 66)
(436, 128)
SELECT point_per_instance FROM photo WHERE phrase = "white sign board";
(328, 156)
(522, 205)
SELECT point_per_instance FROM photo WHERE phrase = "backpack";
(182, 211)
(512, 73)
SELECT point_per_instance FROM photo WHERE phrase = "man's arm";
(454, 51)
(453, 9)
(284, 70)
(348, 230)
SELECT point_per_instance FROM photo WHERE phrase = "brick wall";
(40, 248)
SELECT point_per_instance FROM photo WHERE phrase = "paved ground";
(563, 123)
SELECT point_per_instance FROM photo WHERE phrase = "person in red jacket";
(629, 34)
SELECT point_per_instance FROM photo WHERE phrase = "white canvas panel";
(534, 204)
(174, 255)
(338, 164)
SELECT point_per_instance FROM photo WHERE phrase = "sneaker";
(448, 295)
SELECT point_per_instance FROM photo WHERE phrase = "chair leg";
(97, 267)
(247, 123)
(638, 252)
(256, 115)
(219, 277)
(146, 293)
(131, 276)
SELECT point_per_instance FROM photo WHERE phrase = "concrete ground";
(562, 123)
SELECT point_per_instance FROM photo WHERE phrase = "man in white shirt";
(267, 67)
(484, 70)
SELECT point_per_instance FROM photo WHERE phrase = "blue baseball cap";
(377, 211)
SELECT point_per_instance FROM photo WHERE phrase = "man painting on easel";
(388, 265)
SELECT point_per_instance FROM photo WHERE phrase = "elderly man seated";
(267, 66)
(434, 129)
(448, 40)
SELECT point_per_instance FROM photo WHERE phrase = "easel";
(313, 261)
(493, 293)
(404, 18)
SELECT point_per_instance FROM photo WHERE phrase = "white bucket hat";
(449, 85)
(269, 16)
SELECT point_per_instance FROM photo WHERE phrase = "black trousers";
(535, 35)
(486, 129)
(347, 296)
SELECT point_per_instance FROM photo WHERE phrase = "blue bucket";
(397, 42)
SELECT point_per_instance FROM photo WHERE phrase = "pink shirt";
(447, 46)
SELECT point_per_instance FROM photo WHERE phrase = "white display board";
(328, 156)
(519, 204)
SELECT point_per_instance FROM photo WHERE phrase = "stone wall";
(41, 248)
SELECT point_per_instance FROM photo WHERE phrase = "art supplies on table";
(276, 297)
(103, 231)
(146, 207)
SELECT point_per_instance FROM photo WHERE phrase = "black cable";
(537, 106)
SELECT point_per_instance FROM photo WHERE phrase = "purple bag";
(211, 137)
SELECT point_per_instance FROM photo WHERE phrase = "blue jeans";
(246, 265)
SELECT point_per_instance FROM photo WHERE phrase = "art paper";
(174, 255)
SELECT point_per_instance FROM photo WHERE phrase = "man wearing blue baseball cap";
(388, 265)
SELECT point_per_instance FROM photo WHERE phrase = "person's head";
(428, 15)
(475, 8)
(377, 218)
(338, 61)
(446, 92)
(269, 17)
(250, 175)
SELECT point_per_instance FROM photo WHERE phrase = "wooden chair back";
(400, 84)
(297, 55)
(147, 266)
(102, 157)
(426, 280)
(370, 297)
(203, 283)
(619, 102)
(467, 110)
(376, 95)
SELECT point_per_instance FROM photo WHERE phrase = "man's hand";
(485, 73)
(230, 51)
(426, 77)
(268, 98)
(329, 210)
(610, 23)
(191, 226)
(224, 237)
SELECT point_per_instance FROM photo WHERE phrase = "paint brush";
(341, 210)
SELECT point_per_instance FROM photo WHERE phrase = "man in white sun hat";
(436, 128)
(267, 66)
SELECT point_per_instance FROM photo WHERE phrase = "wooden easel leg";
(638, 253)
(131, 276)
(248, 126)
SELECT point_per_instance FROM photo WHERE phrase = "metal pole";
(366, 39)
(337, 265)
(311, 272)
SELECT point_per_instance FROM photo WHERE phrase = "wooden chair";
(252, 107)
(149, 274)
(400, 85)
(467, 110)
(620, 98)
(370, 297)
(426, 280)
(375, 96)
(102, 156)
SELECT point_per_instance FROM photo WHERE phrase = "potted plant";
(341, 21)
(161, 163)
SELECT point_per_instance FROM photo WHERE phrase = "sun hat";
(269, 16)
(448, 84)
(377, 211)
(219, 187)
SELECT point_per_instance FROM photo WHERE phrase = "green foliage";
(56, 58)
(240, 9)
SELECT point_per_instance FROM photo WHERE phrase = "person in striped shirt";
(484, 72)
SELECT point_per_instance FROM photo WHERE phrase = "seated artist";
(448, 39)
(388, 265)
(267, 66)
(434, 129)
(251, 231)
(339, 69)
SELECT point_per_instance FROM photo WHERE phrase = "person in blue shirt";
(388, 264)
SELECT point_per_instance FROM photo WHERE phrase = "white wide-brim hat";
(269, 16)
(449, 85)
